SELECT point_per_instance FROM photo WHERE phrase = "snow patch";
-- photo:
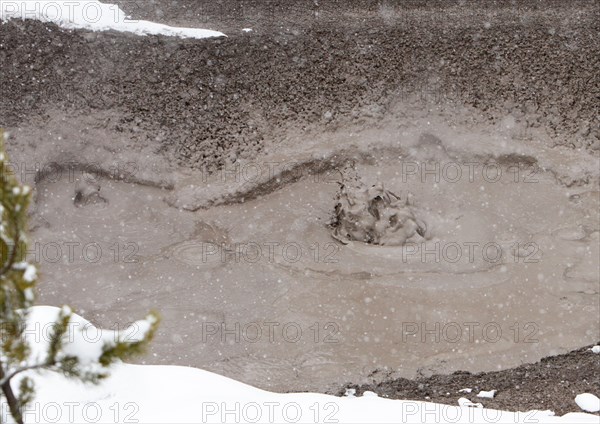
(30, 273)
(93, 15)
(466, 403)
(588, 402)
(487, 394)
(194, 395)
(350, 393)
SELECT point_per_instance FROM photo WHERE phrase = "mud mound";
(374, 215)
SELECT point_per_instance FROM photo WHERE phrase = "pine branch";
(11, 399)
(15, 299)
(8, 377)
(13, 252)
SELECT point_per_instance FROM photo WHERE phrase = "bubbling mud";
(374, 215)
(87, 191)
(407, 253)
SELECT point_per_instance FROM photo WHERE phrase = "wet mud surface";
(259, 290)
(199, 178)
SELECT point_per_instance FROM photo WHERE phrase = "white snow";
(83, 340)
(30, 273)
(588, 402)
(596, 349)
(487, 394)
(168, 394)
(93, 15)
(29, 296)
(466, 403)
(369, 393)
(467, 390)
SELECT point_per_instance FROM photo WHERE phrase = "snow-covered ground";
(93, 15)
(169, 394)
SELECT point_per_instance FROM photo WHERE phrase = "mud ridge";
(99, 171)
(334, 161)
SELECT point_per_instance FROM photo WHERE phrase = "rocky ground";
(551, 384)
(323, 64)
(312, 64)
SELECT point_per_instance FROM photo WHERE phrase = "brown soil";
(551, 383)
(211, 102)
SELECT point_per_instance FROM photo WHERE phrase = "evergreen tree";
(18, 280)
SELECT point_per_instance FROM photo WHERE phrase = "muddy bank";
(211, 102)
(551, 383)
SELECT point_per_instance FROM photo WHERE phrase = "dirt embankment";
(551, 383)
(211, 102)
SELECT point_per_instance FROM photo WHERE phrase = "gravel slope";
(210, 102)
(551, 383)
